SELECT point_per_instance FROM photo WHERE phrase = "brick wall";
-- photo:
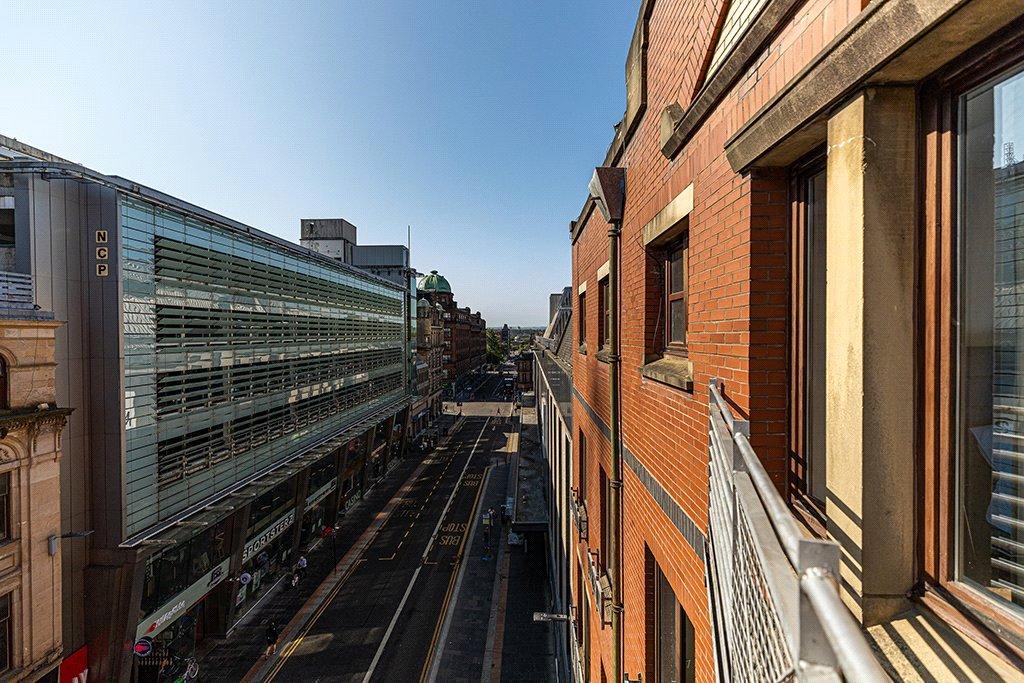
(738, 307)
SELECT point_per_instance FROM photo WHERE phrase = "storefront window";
(271, 505)
(990, 475)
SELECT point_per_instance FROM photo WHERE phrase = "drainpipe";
(608, 187)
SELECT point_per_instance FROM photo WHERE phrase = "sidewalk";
(231, 658)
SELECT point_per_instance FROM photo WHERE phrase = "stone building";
(430, 379)
(31, 424)
(795, 281)
(465, 332)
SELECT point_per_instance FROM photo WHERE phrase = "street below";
(385, 618)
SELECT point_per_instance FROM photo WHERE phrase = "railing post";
(813, 648)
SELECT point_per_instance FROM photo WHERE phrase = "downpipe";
(615, 484)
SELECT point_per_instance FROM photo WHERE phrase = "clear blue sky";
(477, 122)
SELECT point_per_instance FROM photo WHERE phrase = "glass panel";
(668, 632)
(814, 407)
(676, 264)
(677, 313)
(990, 487)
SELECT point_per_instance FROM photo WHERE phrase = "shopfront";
(267, 551)
(323, 482)
(174, 611)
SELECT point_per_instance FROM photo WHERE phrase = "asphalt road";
(383, 623)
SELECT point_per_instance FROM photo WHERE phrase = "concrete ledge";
(676, 210)
(603, 355)
(676, 126)
(898, 41)
(583, 349)
(675, 372)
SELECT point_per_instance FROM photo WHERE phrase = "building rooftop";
(434, 283)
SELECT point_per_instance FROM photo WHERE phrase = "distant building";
(430, 376)
(552, 384)
(506, 337)
(31, 423)
(465, 333)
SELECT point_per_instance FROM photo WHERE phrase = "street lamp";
(53, 539)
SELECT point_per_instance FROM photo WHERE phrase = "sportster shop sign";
(260, 542)
(182, 602)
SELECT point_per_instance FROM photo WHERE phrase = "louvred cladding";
(740, 16)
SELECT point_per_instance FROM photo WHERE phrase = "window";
(5, 402)
(7, 235)
(669, 633)
(604, 312)
(5, 507)
(989, 533)
(581, 475)
(676, 286)
(582, 323)
(808, 334)
(5, 632)
(606, 525)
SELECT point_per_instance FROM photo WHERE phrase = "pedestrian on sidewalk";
(271, 635)
(301, 566)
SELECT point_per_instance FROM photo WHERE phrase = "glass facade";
(990, 476)
(237, 353)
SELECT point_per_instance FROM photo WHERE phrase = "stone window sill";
(603, 356)
(675, 372)
(583, 349)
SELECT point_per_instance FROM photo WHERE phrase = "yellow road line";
(451, 586)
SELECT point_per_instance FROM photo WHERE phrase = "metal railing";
(775, 602)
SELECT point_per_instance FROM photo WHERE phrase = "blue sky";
(478, 123)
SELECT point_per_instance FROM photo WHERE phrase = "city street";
(385, 618)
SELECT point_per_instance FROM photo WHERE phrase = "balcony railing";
(777, 613)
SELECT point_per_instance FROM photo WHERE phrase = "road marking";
(412, 581)
(455, 489)
(391, 627)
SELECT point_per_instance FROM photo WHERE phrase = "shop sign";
(75, 667)
(182, 602)
(321, 493)
(263, 540)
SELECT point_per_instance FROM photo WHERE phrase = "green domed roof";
(422, 303)
(434, 283)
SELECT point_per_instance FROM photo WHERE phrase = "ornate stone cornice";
(33, 420)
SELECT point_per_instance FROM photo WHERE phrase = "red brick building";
(793, 227)
(465, 332)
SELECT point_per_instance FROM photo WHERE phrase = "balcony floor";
(918, 646)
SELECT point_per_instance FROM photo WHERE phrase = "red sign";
(75, 668)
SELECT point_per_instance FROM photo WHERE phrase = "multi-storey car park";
(231, 392)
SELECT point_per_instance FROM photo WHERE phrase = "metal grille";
(771, 622)
(760, 652)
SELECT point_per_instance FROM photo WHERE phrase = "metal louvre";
(182, 390)
(199, 449)
(189, 263)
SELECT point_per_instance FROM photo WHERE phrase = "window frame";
(939, 301)
(6, 632)
(604, 313)
(581, 323)
(5, 384)
(798, 483)
(682, 243)
(581, 471)
(6, 521)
